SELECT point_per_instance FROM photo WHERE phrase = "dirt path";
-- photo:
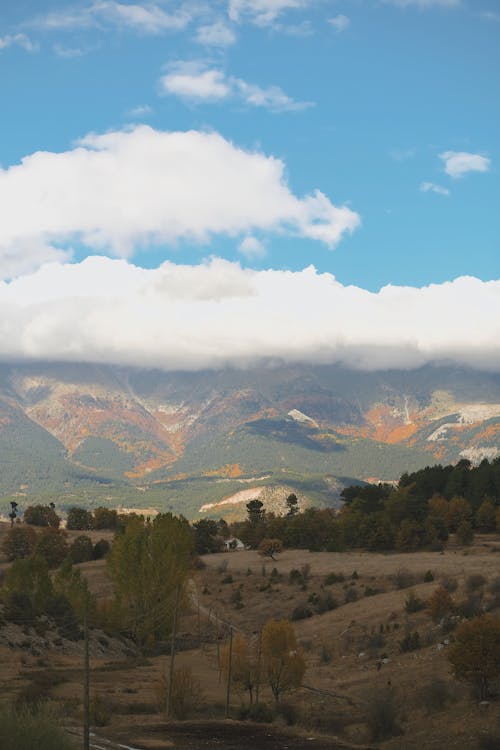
(230, 735)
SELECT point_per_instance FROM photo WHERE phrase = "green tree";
(30, 578)
(82, 549)
(19, 542)
(475, 655)
(69, 582)
(292, 505)
(486, 516)
(146, 563)
(79, 519)
(206, 536)
(282, 660)
(105, 518)
(53, 546)
(42, 515)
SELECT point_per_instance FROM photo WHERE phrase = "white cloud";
(216, 34)
(431, 187)
(147, 18)
(196, 82)
(142, 110)
(133, 188)
(189, 80)
(219, 314)
(425, 3)
(402, 154)
(67, 53)
(272, 97)
(262, 12)
(252, 248)
(458, 163)
(489, 15)
(18, 40)
(340, 22)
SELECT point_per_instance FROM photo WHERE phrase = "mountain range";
(92, 434)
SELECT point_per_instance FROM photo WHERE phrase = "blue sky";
(389, 108)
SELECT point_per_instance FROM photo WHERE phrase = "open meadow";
(353, 622)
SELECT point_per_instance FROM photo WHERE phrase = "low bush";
(435, 695)
(26, 729)
(259, 712)
(301, 612)
(413, 603)
(382, 714)
(332, 578)
(410, 642)
(475, 582)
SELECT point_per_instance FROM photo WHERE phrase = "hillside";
(181, 440)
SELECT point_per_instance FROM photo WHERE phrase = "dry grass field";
(353, 654)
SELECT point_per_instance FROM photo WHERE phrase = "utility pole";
(86, 679)
(172, 653)
(228, 691)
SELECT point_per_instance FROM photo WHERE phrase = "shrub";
(101, 549)
(259, 712)
(382, 714)
(82, 549)
(403, 579)
(465, 534)
(52, 546)
(449, 583)
(28, 730)
(301, 612)
(99, 710)
(295, 577)
(439, 604)
(79, 519)
(332, 578)
(436, 694)
(413, 603)
(42, 515)
(351, 595)
(227, 579)
(428, 576)
(19, 542)
(186, 693)
(410, 642)
(475, 582)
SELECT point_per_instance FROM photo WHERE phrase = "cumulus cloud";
(262, 12)
(217, 34)
(189, 80)
(218, 314)
(251, 247)
(340, 22)
(196, 82)
(458, 163)
(431, 187)
(127, 189)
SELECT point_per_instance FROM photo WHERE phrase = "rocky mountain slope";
(78, 428)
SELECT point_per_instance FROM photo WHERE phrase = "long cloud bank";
(124, 190)
(218, 314)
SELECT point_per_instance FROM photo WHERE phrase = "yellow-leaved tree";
(283, 664)
(475, 655)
